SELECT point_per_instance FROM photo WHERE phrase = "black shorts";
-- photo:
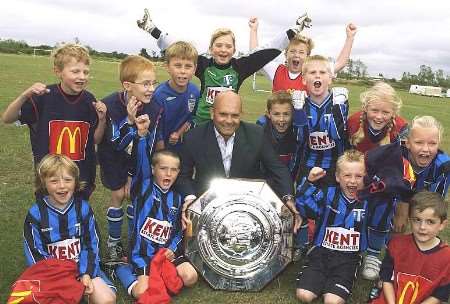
(114, 167)
(329, 271)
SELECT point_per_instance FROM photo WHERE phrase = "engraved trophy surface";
(241, 234)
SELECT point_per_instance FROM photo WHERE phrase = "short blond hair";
(222, 32)
(65, 52)
(426, 122)
(181, 50)
(350, 156)
(156, 158)
(316, 58)
(132, 66)
(299, 39)
(380, 91)
(51, 165)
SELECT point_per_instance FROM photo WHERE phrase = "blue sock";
(126, 276)
(376, 241)
(301, 237)
(130, 216)
(115, 219)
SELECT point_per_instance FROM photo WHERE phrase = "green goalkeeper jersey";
(215, 78)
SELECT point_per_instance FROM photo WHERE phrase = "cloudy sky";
(393, 35)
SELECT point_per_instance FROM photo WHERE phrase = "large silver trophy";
(241, 235)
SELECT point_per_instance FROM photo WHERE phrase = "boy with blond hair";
(416, 267)
(341, 230)
(61, 225)
(321, 124)
(137, 76)
(178, 96)
(63, 118)
(288, 76)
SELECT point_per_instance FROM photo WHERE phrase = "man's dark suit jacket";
(251, 152)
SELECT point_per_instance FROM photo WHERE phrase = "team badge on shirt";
(341, 239)
(228, 80)
(156, 231)
(68, 138)
(191, 103)
(68, 249)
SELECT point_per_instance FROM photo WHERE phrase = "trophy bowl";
(241, 235)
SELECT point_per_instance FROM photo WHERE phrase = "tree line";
(11, 46)
(355, 69)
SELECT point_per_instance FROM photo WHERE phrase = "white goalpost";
(255, 89)
(43, 50)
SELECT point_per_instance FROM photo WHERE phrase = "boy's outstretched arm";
(12, 112)
(344, 55)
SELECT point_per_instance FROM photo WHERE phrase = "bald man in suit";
(227, 147)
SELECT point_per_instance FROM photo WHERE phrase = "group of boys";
(129, 126)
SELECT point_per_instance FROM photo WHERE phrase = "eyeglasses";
(147, 84)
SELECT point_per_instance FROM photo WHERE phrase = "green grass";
(16, 178)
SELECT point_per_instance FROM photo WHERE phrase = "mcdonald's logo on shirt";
(68, 138)
(23, 291)
(412, 288)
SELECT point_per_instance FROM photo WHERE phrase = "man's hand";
(315, 174)
(401, 217)
(87, 282)
(142, 124)
(132, 108)
(186, 223)
(297, 218)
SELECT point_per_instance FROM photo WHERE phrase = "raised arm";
(253, 25)
(12, 112)
(344, 55)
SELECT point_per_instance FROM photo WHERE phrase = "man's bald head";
(226, 113)
(229, 97)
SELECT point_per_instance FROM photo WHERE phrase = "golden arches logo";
(72, 137)
(415, 290)
(21, 295)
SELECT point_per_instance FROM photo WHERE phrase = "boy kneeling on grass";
(341, 230)
(61, 239)
(157, 261)
(416, 268)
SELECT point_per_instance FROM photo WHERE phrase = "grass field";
(16, 178)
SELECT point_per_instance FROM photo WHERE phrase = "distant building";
(426, 90)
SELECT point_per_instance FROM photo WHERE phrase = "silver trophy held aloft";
(241, 235)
